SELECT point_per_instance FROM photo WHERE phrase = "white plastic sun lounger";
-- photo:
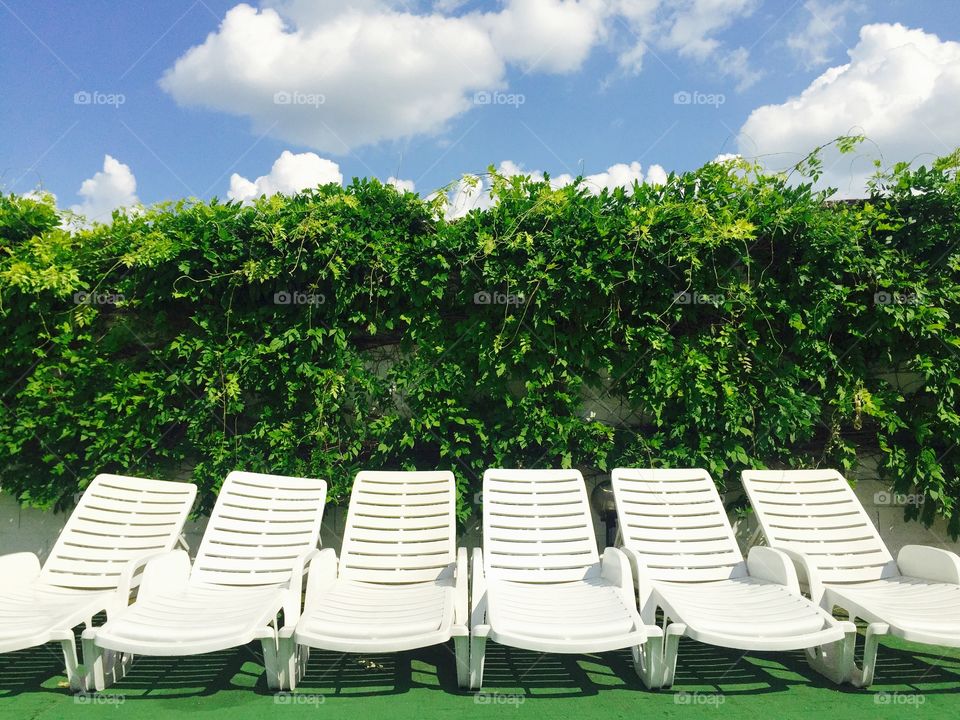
(539, 583)
(118, 524)
(262, 532)
(686, 562)
(815, 518)
(401, 582)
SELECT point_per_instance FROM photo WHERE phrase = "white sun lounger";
(119, 523)
(401, 582)
(686, 562)
(262, 532)
(539, 583)
(815, 518)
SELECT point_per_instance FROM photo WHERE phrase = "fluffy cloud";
(290, 174)
(900, 89)
(402, 185)
(334, 76)
(111, 188)
(473, 192)
(813, 42)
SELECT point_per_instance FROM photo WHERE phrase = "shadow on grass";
(509, 673)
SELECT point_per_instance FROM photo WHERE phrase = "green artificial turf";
(913, 681)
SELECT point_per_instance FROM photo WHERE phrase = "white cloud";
(473, 192)
(900, 89)
(290, 174)
(334, 76)
(813, 42)
(402, 185)
(111, 188)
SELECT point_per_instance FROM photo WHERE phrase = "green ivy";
(727, 319)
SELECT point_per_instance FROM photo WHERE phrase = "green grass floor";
(912, 682)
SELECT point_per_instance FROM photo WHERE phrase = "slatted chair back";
(260, 524)
(817, 513)
(401, 527)
(118, 519)
(674, 519)
(537, 526)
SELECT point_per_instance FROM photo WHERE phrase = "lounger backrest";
(118, 519)
(258, 527)
(537, 526)
(401, 527)
(675, 521)
(817, 513)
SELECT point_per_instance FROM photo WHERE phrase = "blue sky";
(183, 96)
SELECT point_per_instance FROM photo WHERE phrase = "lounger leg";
(69, 646)
(863, 677)
(835, 661)
(289, 670)
(461, 647)
(103, 667)
(648, 662)
(671, 642)
(478, 652)
(271, 663)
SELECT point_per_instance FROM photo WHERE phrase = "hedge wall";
(728, 319)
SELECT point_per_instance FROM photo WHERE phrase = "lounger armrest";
(615, 569)
(767, 563)
(929, 563)
(642, 580)
(478, 608)
(163, 571)
(321, 572)
(806, 572)
(461, 592)
(294, 602)
(19, 568)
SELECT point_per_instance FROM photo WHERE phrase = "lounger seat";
(400, 582)
(814, 517)
(197, 620)
(118, 525)
(687, 564)
(262, 533)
